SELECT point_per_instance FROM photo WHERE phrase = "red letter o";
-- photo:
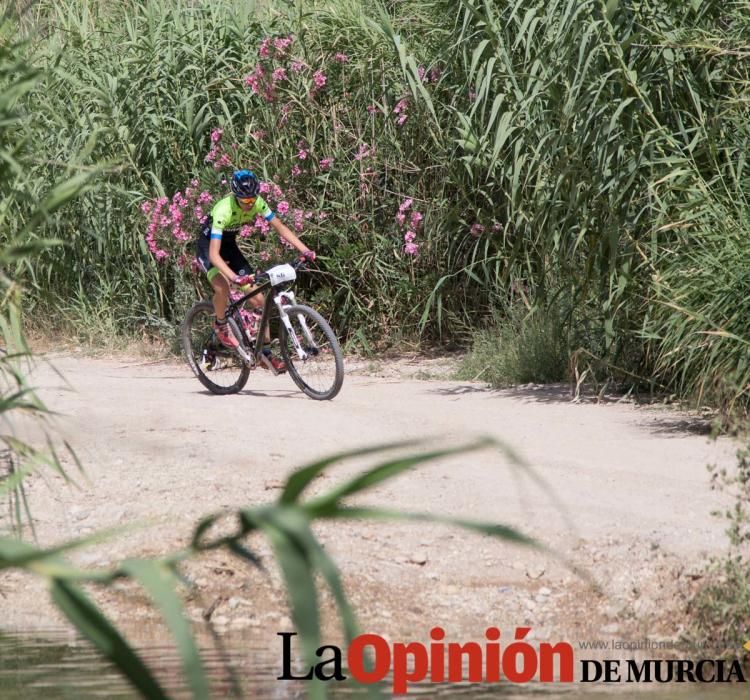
(356, 660)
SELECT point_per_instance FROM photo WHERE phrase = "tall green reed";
(553, 149)
(18, 401)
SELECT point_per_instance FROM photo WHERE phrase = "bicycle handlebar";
(298, 264)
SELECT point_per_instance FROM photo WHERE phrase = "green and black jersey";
(227, 217)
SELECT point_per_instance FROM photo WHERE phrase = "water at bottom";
(57, 666)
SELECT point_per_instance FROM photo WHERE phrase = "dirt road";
(159, 449)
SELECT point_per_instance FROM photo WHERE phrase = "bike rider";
(221, 259)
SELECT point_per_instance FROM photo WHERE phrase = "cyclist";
(221, 259)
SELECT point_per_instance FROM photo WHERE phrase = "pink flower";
(282, 44)
(421, 73)
(276, 192)
(146, 207)
(216, 135)
(264, 188)
(319, 77)
(416, 218)
(400, 109)
(322, 216)
(297, 66)
(296, 171)
(401, 218)
(409, 236)
(341, 57)
(259, 135)
(264, 51)
(477, 230)
(224, 162)
(279, 75)
(282, 207)
(255, 80)
(372, 109)
(405, 204)
(497, 226)
(262, 225)
(299, 218)
(265, 256)
(246, 231)
(325, 164)
(411, 248)
(302, 154)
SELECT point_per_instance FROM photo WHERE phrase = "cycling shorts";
(229, 253)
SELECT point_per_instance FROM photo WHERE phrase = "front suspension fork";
(279, 300)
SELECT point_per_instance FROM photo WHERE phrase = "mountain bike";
(306, 342)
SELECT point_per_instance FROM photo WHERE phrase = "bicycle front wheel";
(220, 369)
(312, 353)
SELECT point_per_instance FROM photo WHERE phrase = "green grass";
(521, 349)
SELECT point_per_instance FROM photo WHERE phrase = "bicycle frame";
(275, 299)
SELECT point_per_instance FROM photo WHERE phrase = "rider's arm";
(285, 232)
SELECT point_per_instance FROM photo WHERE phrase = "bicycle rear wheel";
(312, 353)
(220, 369)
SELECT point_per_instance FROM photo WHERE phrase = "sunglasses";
(247, 200)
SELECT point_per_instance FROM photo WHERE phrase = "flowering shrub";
(172, 223)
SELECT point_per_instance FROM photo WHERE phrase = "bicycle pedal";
(268, 364)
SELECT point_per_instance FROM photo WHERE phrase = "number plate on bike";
(281, 274)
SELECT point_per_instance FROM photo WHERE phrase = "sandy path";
(158, 448)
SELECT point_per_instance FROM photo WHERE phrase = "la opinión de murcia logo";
(370, 659)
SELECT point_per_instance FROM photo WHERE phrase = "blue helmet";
(245, 184)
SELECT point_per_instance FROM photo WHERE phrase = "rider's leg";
(221, 301)
(221, 294)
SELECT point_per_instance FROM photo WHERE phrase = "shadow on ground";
(563, 394)
(542, 393)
